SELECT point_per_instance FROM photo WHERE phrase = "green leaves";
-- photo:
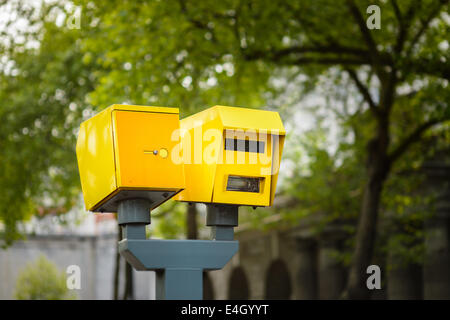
(191, 55)
(162, 54)
(42, 280)
(42, 103)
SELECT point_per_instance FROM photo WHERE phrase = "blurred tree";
(236, 52)
(42, 280)
(43, 83)
(166, 51)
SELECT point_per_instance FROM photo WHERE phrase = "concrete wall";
(315, 273)
(273, 264)
(95, 255)
(280, 264)
(266, 262)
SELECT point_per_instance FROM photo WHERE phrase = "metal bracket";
(222, 219)
(179, 264)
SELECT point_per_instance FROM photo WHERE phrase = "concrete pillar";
(437, 260)
(404, 280)
(331, 272)
(306, 281)
(436, 271)
(437, 251)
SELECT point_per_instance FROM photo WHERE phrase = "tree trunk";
(365, 239)
(191, 222)
(378, 169)
(117, 266)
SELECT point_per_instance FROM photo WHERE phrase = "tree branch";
(197, 23)
(372, 46)
(321, 49)
(428, 67)
(327, 61)
(397, 11)
(362, 27)
(414, 136)
(328, 54)
(363, 89)
(425, 24)
(335, 48)
(404, 22)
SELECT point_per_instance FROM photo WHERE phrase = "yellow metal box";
(125, 152)
(231, 156)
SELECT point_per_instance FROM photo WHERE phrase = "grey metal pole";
(179, 264)
(179, 284)
(222, 219)
(132, 216)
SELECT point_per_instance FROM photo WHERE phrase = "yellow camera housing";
(124, 151)
(231, 156)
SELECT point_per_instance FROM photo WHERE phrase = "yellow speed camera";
(231, 156)
(124, 153)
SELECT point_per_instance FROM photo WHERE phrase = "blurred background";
(362, 88)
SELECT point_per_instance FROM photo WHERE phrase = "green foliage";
(151, 53)
(42, 103)
(41, 280)
(169, 220)
(192, 54)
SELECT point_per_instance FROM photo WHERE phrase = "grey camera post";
(179, 264)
